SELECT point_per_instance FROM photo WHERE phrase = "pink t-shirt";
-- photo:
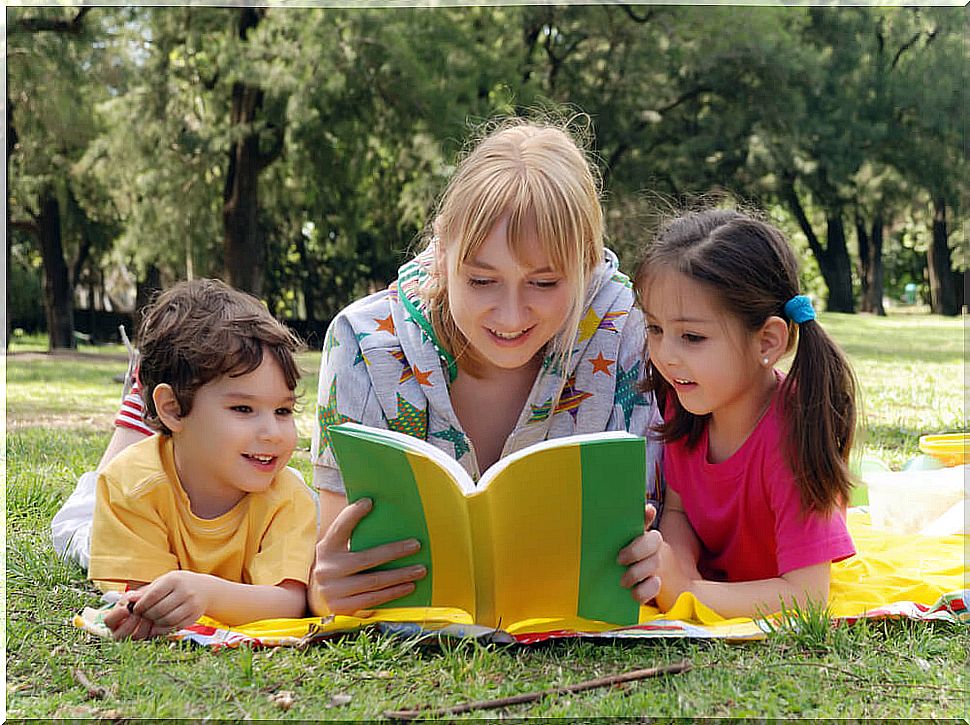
(747, 510)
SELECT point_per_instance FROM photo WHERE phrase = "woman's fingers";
(370, 599)
(337, 537)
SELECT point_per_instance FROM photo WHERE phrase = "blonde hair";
(539, 176)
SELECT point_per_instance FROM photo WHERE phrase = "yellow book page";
(446, 517)
(527, 523)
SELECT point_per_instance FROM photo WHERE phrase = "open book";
(538, 536)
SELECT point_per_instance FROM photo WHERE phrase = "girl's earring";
(764, 361)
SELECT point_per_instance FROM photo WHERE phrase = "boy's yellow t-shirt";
(144, 527)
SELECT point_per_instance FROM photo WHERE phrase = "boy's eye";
(242, 409)
(284, 411)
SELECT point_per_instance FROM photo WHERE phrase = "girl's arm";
(339, 581)
(678, 574)
(799, 587)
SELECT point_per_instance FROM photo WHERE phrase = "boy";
(204, 518)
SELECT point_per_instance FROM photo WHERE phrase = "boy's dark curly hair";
(202, 329)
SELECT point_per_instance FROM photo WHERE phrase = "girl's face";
(508, 306)
(712, 363)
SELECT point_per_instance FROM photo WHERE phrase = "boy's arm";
(178, 598)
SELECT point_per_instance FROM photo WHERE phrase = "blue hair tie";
(799, 309)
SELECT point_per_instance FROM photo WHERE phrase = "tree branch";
(53, 25)
(613, 681)
(903, 48)
(637, 18)
(24, 225)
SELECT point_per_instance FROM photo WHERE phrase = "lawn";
(59, 408)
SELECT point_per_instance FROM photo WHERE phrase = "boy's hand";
(339, 575)
(125, 624)
(173, 601)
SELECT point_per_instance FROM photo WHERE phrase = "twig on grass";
(95, 692)
(611, 681)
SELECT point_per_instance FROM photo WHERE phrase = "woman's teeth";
(508, 335)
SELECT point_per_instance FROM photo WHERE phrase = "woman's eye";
(693, 339)
(545, 283)
(479, 281)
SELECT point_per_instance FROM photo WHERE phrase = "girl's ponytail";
(819, 395)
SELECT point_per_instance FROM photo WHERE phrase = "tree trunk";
(944, 295)
(839, 276)
(243, 245)
(862, 238)
(833, 260)
(145, 290)
(870, 258)
(58, 294)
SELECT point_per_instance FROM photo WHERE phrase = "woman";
(512, 326)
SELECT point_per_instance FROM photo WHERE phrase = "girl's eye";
(693, 339)
(654, 330)
(242, 409)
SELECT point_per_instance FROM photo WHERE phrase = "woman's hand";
(340, 582)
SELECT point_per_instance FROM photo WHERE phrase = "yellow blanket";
(912, 576)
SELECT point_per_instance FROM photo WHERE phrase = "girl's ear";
(167, 406)
(772, 340)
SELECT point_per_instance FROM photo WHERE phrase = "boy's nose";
(270, 429)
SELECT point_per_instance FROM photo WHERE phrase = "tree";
(52, 87)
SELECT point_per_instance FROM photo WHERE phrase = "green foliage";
(855, 113)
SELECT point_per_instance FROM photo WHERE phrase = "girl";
(756, 461)
(513, 326)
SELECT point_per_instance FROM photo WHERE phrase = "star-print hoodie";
(382, 366)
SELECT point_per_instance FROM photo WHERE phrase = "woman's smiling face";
(507, 304)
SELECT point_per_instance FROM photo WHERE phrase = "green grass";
(58, 412)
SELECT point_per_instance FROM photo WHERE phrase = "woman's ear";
(772, 340)
(167, 407)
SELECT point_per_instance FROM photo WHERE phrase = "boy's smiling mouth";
(260, 458)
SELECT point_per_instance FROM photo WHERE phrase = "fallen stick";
(95, 692)
(612, 680)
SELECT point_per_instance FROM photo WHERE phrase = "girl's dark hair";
(753, 272)
(200, 330)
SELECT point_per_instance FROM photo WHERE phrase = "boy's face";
(239, 434)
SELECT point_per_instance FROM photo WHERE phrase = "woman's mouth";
(509, 337)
